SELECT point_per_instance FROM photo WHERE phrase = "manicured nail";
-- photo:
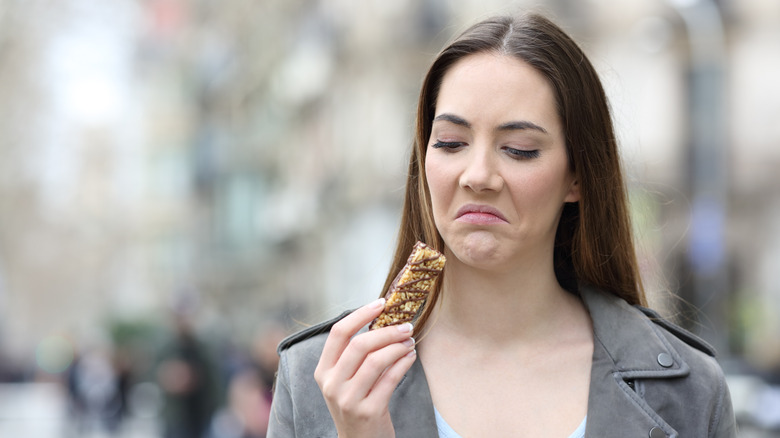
(405, 327)
(378, 304)
(412, 353)
(409, 343)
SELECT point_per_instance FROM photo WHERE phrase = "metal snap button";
(665, 360)
(656, 432)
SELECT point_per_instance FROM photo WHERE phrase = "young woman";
(536, 327)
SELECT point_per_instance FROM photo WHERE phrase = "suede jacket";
(649, 378)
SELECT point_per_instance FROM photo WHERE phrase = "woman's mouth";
(480, 215)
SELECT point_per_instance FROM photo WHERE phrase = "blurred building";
(254, 153)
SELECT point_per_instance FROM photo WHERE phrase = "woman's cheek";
(438, 183)
(434, 190)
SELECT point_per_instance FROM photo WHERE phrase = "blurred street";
(40, 410)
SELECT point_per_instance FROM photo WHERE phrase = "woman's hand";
(357, 374)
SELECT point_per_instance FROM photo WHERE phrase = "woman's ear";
(574, 192)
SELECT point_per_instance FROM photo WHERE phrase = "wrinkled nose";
(480, 171)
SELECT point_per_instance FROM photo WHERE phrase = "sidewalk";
(40, 410)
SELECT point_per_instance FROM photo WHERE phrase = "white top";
(445, 431)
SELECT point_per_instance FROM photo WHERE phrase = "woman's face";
(496, 163)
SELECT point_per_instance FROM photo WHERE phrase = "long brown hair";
(594, 242)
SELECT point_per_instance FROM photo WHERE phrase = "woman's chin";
(480, 249)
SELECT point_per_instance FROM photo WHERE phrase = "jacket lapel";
(411, 406)
(627, 347)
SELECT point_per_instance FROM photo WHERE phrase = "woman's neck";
(523, 305)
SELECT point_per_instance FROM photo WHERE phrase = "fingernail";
(378, 303)
(405, 327)
(411, 353)
(408, 343)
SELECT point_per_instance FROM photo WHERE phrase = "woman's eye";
(448, 145)
(522, 154)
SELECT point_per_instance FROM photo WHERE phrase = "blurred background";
(183, 182)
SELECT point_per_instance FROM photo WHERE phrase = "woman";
(536, 327)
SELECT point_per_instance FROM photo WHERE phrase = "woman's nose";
(480, 172)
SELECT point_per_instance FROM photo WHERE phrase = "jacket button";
(656, 432)
(665, 360)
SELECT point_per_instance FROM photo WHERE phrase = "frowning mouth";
(480, 214)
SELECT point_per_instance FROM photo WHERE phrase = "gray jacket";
(649, 378)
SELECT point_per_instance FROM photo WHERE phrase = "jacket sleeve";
(281, 423)
(725, 423)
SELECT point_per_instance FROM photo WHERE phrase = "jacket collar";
(617, 326)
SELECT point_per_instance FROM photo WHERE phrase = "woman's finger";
(383, 389)
(370, 347)
(342, 331)
(377, 364)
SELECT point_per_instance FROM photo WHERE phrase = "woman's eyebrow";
(452, 118)
(520, 126)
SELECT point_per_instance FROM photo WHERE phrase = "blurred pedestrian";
(250, 387)
(187, 376)
(246, 411)
(263, 354)
(95, 393)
